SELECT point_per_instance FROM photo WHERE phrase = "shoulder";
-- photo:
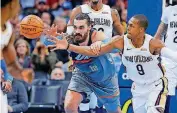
(76, 11)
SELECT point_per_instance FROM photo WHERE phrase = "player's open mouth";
(78, 36)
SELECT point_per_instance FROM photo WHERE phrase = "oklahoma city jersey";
(6, 35)
(95, 68)
(102, 19)
(142, 67)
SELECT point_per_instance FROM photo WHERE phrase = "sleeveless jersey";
(169, 17)
(142, 67)
(95, 68)
(6, 35)
(102, 19)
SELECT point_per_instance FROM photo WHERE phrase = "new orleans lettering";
(173, 24)
(102, 21)
(139, 58)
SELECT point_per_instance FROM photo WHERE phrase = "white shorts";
(148, 96)
(171, 74)
(4, 103)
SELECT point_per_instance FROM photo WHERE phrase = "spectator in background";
(124, 19)
(17, 98)
(105, 2)
(61, 24)
(41, 6)
(67, 8)
(53, 4)
(57, 74)
(85, 2)
(42, 60)
(23, 53)
(119, 6)
(47, 17)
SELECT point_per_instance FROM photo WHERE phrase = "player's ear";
(142, 29)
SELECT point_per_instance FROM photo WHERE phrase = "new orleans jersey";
(142, 66)
(102, 19)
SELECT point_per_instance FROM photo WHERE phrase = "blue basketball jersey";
(95, 68)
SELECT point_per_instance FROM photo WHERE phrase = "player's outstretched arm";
(14, 68)
(10, 57)
(116, 42)
(158, 47)
(116, 22)
(74, 12)
(161, 31)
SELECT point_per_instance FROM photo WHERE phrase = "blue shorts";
(106, 91)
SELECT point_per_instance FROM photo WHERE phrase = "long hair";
(19, 41)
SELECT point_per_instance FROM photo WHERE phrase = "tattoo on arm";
(163, 34)
(114, 11)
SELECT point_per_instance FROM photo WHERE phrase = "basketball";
(31, 26)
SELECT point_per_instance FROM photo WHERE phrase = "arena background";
(42, 94)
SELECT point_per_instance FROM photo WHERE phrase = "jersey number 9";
(140, 69)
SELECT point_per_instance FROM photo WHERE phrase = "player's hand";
(10, 109)
(52, 31)
(58, 43)
(7, 86)
(96, 47)
(27, 75)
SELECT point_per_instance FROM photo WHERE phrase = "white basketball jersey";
(142, 67)
(170, 17)
(102, 19)
(6, 35)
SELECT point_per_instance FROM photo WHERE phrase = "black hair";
(143, 21)
(83, 16)
(5, 2)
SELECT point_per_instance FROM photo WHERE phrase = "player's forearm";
(15, 69)
(84, 50)
(161, 31)
(120, 30)
(165, 52)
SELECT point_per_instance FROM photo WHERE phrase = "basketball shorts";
(149, 96)
(106, 91)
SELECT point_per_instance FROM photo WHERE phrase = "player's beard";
(81, 39)
(95, 2)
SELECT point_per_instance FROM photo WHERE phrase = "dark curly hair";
(5, 2)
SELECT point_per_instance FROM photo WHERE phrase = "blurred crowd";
(32, 53)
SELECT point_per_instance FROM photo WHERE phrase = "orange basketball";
(31, 26)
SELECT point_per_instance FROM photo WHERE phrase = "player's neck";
(96, 7)
(138, 41)
(85, 43)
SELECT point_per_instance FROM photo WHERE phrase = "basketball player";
(140, 55)
(104, 19)
(9, 9)
(91, 74)
(168, 26)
